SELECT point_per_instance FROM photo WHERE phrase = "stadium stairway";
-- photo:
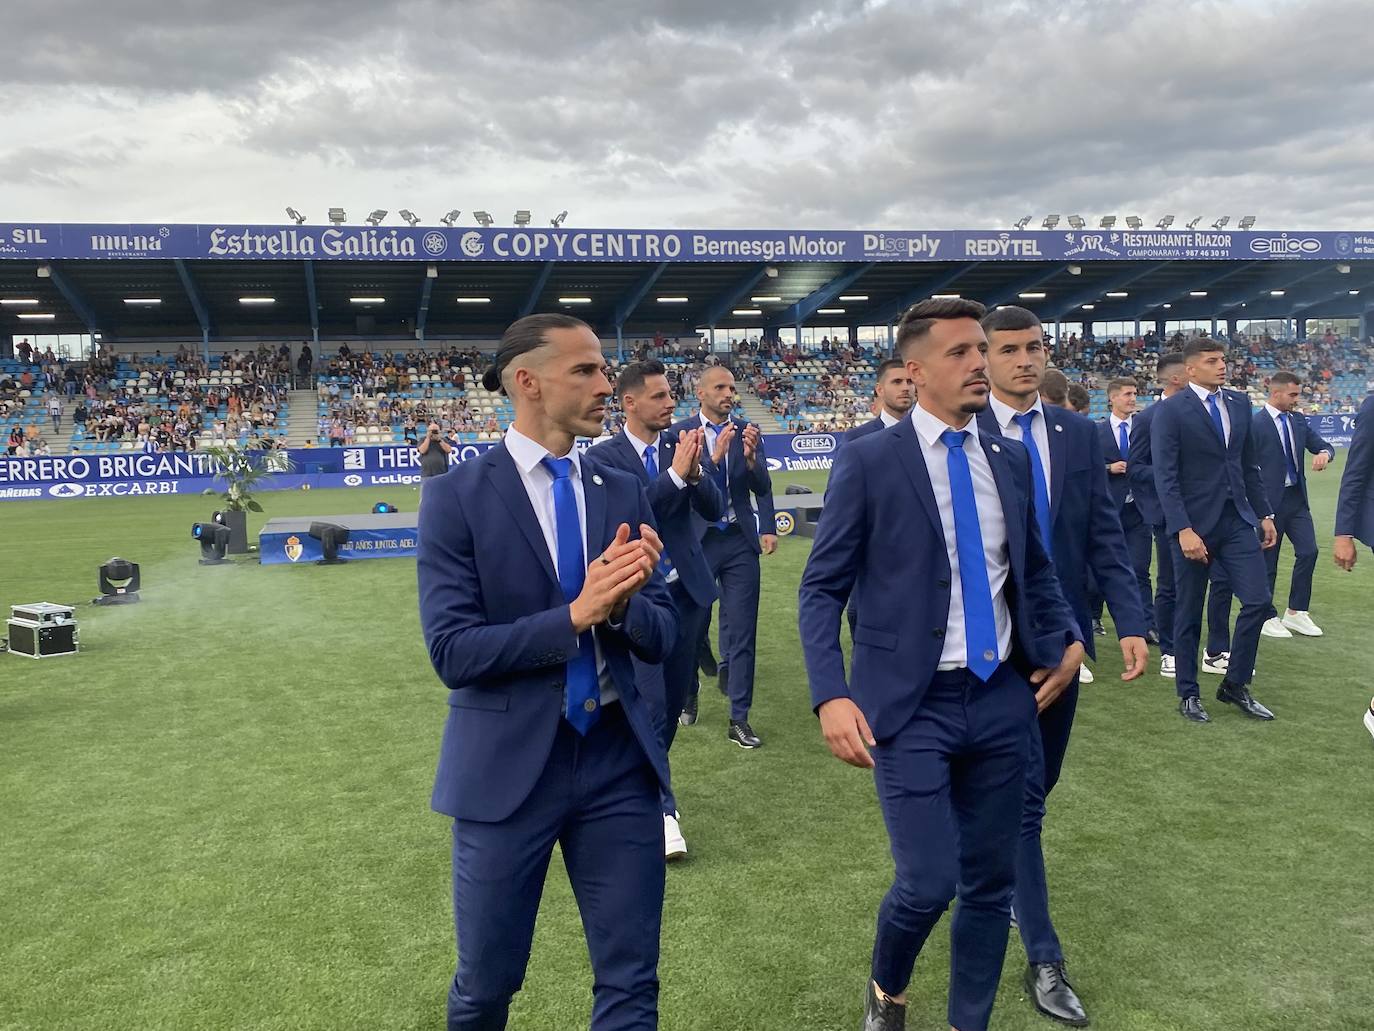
(757, 412)
(302, 417)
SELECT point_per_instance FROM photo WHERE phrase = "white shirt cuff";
(678, 481)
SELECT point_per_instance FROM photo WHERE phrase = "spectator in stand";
(55, 412)
(15, 442)
(1079, 400)
(434, 451)
(336, 432)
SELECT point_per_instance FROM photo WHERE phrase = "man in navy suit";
(895, 394)
(679, 483)
(1140, 469)
(533, 598)
(1209, 484)
(734, 543)
(1355, 504)
(932, 525)
(1076, 514)
(1114, 434)
(1281, 436)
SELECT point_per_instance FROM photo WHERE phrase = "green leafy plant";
(245, 470)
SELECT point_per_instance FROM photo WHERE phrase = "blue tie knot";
(953, 439)
(649, 451)
(1024, 420)
(559, 468)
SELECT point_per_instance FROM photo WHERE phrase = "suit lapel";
(904, 441)
(1015, 518)
(1198, 411)
(594, 498)
(1059, 457)
(1237, 413)
(505, 478)
(636, 462)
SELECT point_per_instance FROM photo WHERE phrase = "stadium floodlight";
(853, 297)
(760, 299)
(257, 300)
(1050, 221)
(1133, 222)
(376, 217)
(214, 542)
(483, 218)
(1247, 222)
(1117, 294)
(1032, 295)
(1089, 307)
(142, 301)
(746, 311)
(558, 219)
(451, 217)
(522, 217)
(1194, 222)
(337, 216)
(1277, 293)
(945, 297)
(295, 216)
(120, 582)
(331, 537)
(410, 217)
(19, 302)
(473, 300)
(1076, 222)
(36, 316)
(829, 311)
(1108, 221)
(1170, 305)
(1221, 222)
(367, 300)
(1021, 223)
(574, 300)
(1165, 222)
(1197, 293)
(679, 299)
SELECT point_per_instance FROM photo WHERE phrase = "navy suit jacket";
(1085, 523)
(1110, 447)
(1195, 475)
(673, 507)
(1355, 505)
(1269, 451)
(1140, 469)
(880, 536)
(741, 482)
(499, 633)
(874, 425)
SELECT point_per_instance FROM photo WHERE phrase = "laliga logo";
(1285, 245)
(435, 243)
(814, 444)
(66, 490)
(353, 480)
(472, 244)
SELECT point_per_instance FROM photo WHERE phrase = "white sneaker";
(1085, 675)
(1369, 720)
(674, 844)
(1217, 663)
(1301, 622)
(1166, 667)
(1275, 628)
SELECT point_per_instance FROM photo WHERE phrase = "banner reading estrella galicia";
(403, 243)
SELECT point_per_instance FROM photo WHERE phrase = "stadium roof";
(154, 281)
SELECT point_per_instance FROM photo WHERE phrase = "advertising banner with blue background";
(35, 241)
(133, 474)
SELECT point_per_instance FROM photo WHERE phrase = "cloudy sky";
(762, 113)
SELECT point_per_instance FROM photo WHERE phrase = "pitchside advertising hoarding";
(35, 241)
(128, 474)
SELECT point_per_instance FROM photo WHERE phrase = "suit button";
(635, 635)
(939, 631)
(557, 685)
(941, 583)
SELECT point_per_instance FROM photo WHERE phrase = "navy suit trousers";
(1137, 533)
(1218, 600)
(1294, 521)
(736, 569)
(951, 784)
(1234, 546)
(598, 797)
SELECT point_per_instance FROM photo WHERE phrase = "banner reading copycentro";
(392, 465)
(367, 243)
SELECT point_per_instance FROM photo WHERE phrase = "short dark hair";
(1079, 400)
(1054, 388)
(1169, 360)
(1202, 345)
(1121, 383)
(917, 320)
(521, 337)
(1009, 318)
(1284, 378)
(632, 377)
(886, 366)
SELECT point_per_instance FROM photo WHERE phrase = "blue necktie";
(582, 706)
(1288, 448)
(722, 478)
(980, 626)
(1216, 417)
(1038, 478)
(651, 467)
(1123, 441)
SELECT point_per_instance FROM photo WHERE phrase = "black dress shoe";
(1152, 637)
(706, 660)
(880, 1015)
(1191, 709)
(1052, 994)
(743, 735)
(688, 716)
(1099, 629)
(1239, 696)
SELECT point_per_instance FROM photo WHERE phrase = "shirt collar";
(1203, 393)
(1004, 412)
(888, 418)
(1117, 421)
(639, 445)
(529, 453)
(929, 427)
(707, 423)
(1274, 413)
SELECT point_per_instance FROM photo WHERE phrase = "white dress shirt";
(710, 444)
(1040, 430)
(888, 418)
(992, 526)
(1203, 393)
(1284, 441)
(641, 446)
(1116, 423)
(538, 484)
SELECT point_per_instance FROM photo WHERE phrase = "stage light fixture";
(1221, 222)
(483, 218)
(410, 217)
(376, 217)
(331, 537)
(1194, 222)
(1133, 222)
(337, 216)
(559, 219)
(214, 542)
(522, 217)
(1022, 222)
(384, 508)
(295, 216)
(1076, 222)
(1050, 221)
(451, 217)
(1107, 222)
(120, 582)
(1165, 222)
(1247, 222)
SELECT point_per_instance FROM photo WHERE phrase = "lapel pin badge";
(596, 479)
(997, 449)
(1058, 428)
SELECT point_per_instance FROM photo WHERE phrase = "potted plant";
(244, 470)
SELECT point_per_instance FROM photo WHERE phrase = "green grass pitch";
(217, 817)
